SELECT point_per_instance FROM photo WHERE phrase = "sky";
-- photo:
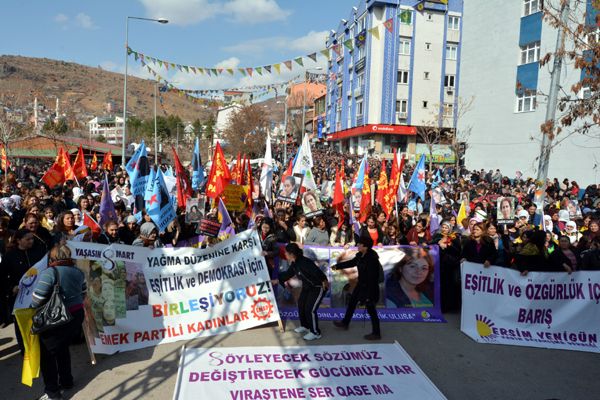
(202, 33)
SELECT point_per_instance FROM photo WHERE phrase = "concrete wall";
(501, 137)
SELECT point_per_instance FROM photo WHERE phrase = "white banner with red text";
(553, 310)
(369, 371)
(140, 297)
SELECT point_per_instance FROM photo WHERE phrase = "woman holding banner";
(314, 287)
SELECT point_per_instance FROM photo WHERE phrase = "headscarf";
(548, 224)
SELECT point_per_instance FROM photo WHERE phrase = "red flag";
(94, 163)
(92, 224)
(240, 180)
(338, 197)
(79, 167)
(288, 171)
(4, 163)
(382, 184)
(250, 183)
(60, 171)
(107, 162)
(65, 163)
(236, 170)
(219, 176)
(365, 201)
(184, 189)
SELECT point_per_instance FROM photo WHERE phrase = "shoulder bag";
(53, 313)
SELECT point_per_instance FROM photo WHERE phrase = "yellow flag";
(31, 361)
(462, 214)
(277, 68)
(375, 32)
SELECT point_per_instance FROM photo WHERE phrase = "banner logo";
(485, 327)
(262, 309)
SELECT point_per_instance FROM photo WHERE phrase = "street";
(459, 367)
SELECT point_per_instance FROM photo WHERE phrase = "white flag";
(266, 174)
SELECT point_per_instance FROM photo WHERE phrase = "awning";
(374, 129)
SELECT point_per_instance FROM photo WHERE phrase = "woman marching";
(314, 287)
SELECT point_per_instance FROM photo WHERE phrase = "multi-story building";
(503, 42)
(403, 75)
(110, 127)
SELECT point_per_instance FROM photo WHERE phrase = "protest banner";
(369, 371)
(551, 310)
(235, 197)
(140, 297)
(394, 304)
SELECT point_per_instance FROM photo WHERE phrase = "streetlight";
(304, 101)
(160, 21)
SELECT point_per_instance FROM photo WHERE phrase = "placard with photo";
(194, 210)
(505, 210)
(311, 204)
(290, 188)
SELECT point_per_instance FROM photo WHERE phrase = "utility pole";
(553, 97)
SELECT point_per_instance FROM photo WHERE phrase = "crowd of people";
(562, 236)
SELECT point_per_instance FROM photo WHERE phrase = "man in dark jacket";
(367, 289)
(314, 287)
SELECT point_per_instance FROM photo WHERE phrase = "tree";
(580, 104)
(246, 131)
(432, 132)
(460, 138)
(197, 126)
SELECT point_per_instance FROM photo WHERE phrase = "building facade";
(501, 71)
(111, 128)
(394, 67)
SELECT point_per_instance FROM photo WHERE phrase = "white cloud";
(84, 21)
(311, 42)
(188, 12)
(256, 11)
(231, 62)
(61, 19)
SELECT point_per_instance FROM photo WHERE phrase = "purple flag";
(355, 224)
(434, 222)
(226, 228)
(107, 207)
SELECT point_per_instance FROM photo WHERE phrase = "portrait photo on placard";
(289, 188)
(505, 210)
(311, 204)
(194, 210)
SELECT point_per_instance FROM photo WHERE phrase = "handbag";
(53, 313)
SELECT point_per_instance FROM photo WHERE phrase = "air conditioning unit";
(402, 115)
(450, 91)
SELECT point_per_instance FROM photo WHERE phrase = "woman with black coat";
(367, 290)
(564, 257)
(314, 287)
(479, 248)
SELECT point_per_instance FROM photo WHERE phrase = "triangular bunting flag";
(242, 71)
(267, 68)
(220, 70)
(230, 70)
(348, 44)
(194, 70)
(299, 61)
(288, 64)
(277, 68)
(375, 32)
(326, 53)
(313, 56)
(259, 70)
(249, 71)
(389, 25)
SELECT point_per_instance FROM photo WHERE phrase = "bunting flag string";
(404, 15)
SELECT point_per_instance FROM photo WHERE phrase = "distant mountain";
(85, 91)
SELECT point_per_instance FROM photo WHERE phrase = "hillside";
(83, 90)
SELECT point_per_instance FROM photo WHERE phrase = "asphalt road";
(459, 367)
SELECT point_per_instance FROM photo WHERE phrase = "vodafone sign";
(374, 129)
